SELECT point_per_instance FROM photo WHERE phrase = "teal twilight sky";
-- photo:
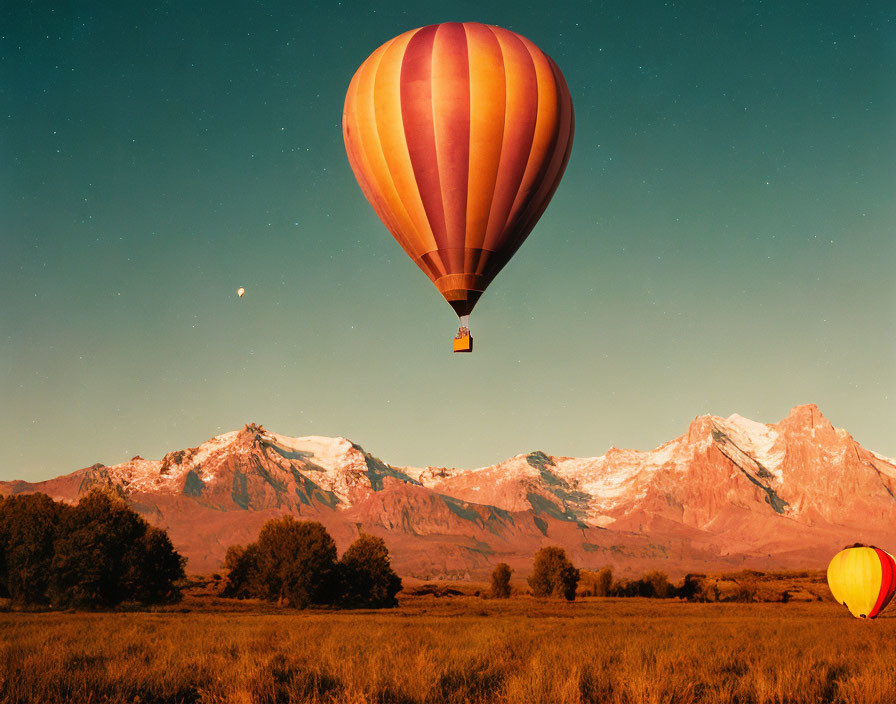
(722, 242)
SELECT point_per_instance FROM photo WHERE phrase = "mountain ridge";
(727, 493)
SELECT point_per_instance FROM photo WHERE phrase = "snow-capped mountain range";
(728, 493)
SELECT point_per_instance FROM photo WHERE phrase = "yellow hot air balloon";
(863, 578)
(240, 291)
(458, 134)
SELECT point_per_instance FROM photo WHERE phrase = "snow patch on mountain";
(758, 440)
(215, 445)
(884, 458)
(329, 453)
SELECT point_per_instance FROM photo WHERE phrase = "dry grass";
(461, 649)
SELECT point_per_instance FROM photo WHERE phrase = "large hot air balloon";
(863, 578)
(458, 134)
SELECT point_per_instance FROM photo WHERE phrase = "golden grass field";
(458, 649)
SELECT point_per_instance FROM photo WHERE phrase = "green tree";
(692, 587)
(553, 574)
(367, 578)
(29, 526)
(152, 569)
(501, 581)
(244, 577)
(106, 553)
(297, 562)
(625, 587)
(656, 585)
(603, 583)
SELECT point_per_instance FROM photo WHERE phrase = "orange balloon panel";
(458, 134)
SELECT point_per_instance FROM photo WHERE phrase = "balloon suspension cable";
(464, 329)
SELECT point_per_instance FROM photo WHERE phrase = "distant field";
(459, 649)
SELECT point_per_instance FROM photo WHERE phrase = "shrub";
(653, 585)
(599, 583)
(553, 574)
(297, 562)
(366, 576)
(626, 587)
(746, 593)
(501, 581)
(692, 587)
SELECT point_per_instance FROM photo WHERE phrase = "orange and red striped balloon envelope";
(863, 578)
(458, 134)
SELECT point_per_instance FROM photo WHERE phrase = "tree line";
(553, 575)
(656, 585)
(100, 553)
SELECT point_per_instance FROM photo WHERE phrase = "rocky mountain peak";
(700, 429)
(807, 416)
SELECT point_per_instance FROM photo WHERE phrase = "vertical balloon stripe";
(869, 581)
(386, 102)
(521, 112)
(487, 102)
(529, 209)
(568, 111)
(547, 132)
(365, 154)
(355, 149)
(419, 127)
(835, 578)
(562, 149)
(434, 262)
(553, 173)
(891, 561)
(476, 260)
(451, 121)
(887, 582)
